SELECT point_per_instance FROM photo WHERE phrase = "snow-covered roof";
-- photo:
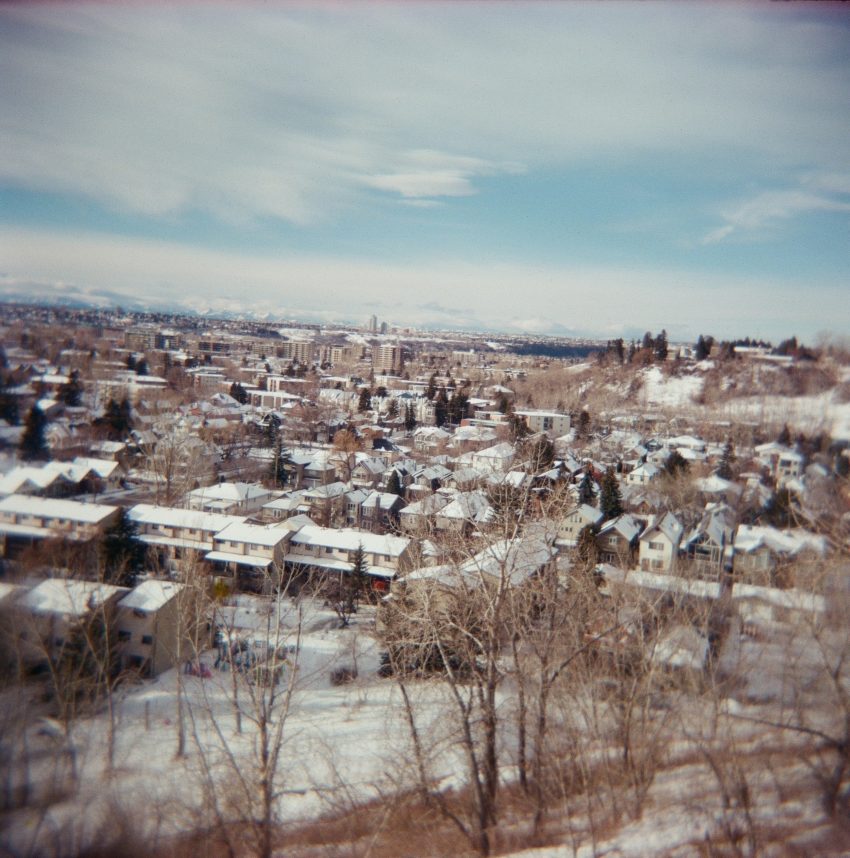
(348, 539)
(191, 519)
(427, 506)
(267, 535)
(470, 506)
(68, 596)
(83, 513)
(233, 492)
(150, 595)
(750, 538)
(667, 524)
(626, 525)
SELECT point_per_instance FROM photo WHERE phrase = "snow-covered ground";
(673, 391)
(338, 742)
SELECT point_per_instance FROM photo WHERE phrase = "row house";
(252, 555)
(328, 550)
(174, 534)
(25, 519)
(230, 498)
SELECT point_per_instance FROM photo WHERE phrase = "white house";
(659, 544)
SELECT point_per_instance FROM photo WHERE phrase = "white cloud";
(590, 299)
(766, 210)
(292, 111)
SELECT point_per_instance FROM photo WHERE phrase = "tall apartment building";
(388, 359)
(303, 351)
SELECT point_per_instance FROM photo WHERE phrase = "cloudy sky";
(600, 168)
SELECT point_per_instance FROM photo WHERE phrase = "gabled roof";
(625, 525)
(267, 535)
(150, 595)
(667, 524)
(84, 513)
(68, 596)
(191, 519)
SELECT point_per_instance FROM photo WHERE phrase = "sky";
(596, 169)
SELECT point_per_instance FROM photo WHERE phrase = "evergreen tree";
(8, 402)
(365, 401)
(117, 419)
(278, 469)
(34, 441)
(586, 489)
(647, 341)
(441, 407)
(121, 551)
(724, 468)
(72, 392)
(432, 386)
(392, 410)
(583, 424)
(676, 464)
(610, 499)
(394, 486)
(784, 436)
(660, 346)
(131, 362)
(238, 392)
(142, 367)
(352, 587)
(409, 417)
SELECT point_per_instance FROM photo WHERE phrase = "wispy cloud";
(312, 107)
(756, 216)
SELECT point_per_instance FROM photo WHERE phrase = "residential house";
(465, 512)
(173, 535)
(617, 540)
(367, 473)
(327, 550)
(709, 543)
(250, 554)
(25, 519)
(497, 458)
(379, 511)
(230, 498)
(327, 503)
(152, 634)
(51, 612)
(760, 552)
(643, 474)
(420, 517)
(659, 544)
(574, 522)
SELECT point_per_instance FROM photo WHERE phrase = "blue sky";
(596, 169)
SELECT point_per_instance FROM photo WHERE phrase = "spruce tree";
(365, 401)
(610, 499)
(409, 417)
(34, 441)
(394, 486)
(72, 392)
(586, 490)
(724, 468)
(121, 551)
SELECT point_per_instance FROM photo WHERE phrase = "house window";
(123, 635)
(656, 546)
(612, 541)
(329, 550)
(657, 564)
(147, 639)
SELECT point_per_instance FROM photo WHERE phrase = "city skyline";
(586, 169)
